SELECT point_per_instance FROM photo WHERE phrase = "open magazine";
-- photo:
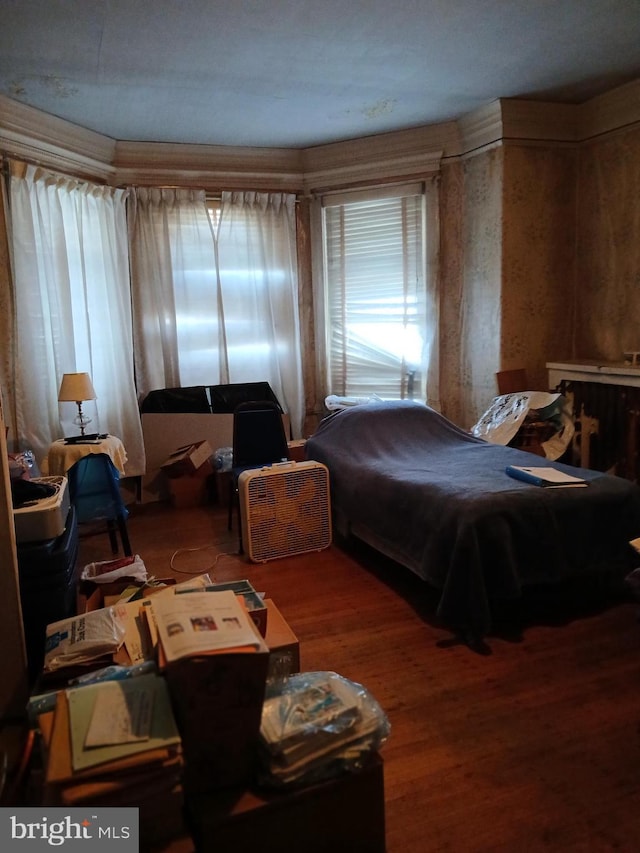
(202, 622)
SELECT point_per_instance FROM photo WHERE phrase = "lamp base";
(80, 419)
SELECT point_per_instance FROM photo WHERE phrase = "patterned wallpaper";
(482, 279)
(538, 256)
(471, 210)
(507, 270)
(608, 247)
(451, 289)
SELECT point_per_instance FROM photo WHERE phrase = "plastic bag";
(22, 465)
(83, 638)
(42, 702)
(317, 725)
(508, 412)
(114, 673)
(223, 459)
(110, 570)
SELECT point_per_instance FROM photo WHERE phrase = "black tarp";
(207, 399)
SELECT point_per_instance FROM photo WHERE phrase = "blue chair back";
(94, 489)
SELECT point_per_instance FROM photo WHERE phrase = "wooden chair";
(512, 381)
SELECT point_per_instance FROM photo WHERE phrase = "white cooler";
(47, 517)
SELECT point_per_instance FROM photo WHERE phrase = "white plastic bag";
(110, 570)
(83, 638)
(507, 413)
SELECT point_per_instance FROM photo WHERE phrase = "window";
(375, 300)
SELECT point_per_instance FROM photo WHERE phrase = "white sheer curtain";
(256, 238)
(432, 290)
(179, 333)
(215, 292)
(73, 309)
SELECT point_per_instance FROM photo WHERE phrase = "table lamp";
(77, 387)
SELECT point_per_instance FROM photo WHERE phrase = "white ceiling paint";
(297, 73)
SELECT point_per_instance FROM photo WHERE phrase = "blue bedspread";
(438, 500)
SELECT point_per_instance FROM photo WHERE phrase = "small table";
(60, 456)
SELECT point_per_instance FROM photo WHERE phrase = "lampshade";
(76, 387)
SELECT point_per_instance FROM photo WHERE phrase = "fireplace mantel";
(606, 373)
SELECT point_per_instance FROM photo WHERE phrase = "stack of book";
(108, 728)
(116, 743)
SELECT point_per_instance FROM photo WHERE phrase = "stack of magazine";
(116, 743)
(318, 724)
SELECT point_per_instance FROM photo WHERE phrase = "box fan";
(285, 510)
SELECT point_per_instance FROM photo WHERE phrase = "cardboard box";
(187, 459)
(217, 700)
(297, 450)
(162, 432)
(93, 596)
(284, 648)
(224, 480)
(188, 490)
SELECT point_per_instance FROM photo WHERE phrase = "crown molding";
(518, 120)
(539, 121)
(47, 140)
(480, 128)
(611, 112)
(30, 134)
(405, 153)
(527, 121)
(158, 163)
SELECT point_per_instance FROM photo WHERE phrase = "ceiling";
(298, 73)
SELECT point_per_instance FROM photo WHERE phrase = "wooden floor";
(534, 745)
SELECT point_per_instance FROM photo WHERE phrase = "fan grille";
(285, 512)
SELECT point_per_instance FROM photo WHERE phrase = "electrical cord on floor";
(200, 548)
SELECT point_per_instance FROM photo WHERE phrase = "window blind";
(375, 295)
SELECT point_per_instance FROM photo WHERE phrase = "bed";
(437, 500)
